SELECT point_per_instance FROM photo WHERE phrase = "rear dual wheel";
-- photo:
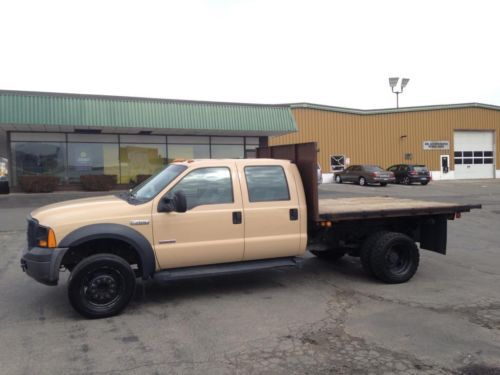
(390, 256)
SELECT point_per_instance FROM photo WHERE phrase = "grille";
(32, 231)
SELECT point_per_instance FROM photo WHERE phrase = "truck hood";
(80, 210)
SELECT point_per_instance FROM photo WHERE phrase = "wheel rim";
(406, 181)
(362, 181)
(102, 288)
(398, 260)
(337, 178)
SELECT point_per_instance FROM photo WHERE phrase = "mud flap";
(434, 233)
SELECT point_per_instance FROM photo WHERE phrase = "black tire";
(366, 251)
(406, 180)
(110, 279)
(330, 255)
(383, 184)
(394, 258)
(424, 182)
(362, 181)
(338, 179)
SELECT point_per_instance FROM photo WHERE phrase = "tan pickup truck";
(199, 218)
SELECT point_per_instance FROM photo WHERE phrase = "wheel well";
(76, 254)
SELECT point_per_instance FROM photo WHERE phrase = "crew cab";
(198, 218)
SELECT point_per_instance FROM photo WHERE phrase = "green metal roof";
(74, 110)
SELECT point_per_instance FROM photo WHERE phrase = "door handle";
(294, 214)
(237, 218)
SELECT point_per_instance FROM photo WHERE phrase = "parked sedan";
(409, 173)
(364, 174)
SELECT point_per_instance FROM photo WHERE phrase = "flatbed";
(342, 209)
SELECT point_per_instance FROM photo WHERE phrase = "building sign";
(436, 145)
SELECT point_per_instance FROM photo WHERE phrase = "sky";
(338, 53)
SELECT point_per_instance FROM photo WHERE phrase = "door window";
(206, 186)
(266, 183)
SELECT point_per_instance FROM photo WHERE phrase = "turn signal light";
(50, 241)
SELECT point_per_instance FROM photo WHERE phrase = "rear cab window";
(266, 183)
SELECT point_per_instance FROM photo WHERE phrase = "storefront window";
(228, 151)
(131, 158)
(140, 160)
(188, 152)
(32, 158)
(92, 158)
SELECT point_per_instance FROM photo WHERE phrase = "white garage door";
(474, 154)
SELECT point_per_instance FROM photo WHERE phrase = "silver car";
(364, 174)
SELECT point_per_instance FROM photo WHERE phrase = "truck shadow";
(336, 274)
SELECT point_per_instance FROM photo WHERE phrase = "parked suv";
(409, 173)
(364, 174)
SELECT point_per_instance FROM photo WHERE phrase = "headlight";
(45, 237)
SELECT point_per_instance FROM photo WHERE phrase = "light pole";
(393, 82)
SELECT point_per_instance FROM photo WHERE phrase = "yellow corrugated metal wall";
(384, 139)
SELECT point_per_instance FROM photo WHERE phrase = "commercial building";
(68, 135)
(455, 141)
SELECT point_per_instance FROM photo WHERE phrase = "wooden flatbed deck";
(380, 207)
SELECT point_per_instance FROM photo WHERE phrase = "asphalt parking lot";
(324, 318)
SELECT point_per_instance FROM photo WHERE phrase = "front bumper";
(43, 264)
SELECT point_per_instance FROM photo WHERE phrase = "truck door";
(211, 230)
(270, 211)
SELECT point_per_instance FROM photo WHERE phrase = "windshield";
(374, 168)
(420, 168)
(156, 183)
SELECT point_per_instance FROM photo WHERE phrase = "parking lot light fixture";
(393, 82)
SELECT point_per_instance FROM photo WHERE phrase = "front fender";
(116, 232)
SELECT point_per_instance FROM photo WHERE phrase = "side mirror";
(176, 203)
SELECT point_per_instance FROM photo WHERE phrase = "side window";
(206, 186)
(266, 183)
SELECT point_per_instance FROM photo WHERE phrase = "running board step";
(225, 268)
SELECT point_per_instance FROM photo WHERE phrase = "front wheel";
(394, 258)
(101, 285)
(362, 181)
(338, 179)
